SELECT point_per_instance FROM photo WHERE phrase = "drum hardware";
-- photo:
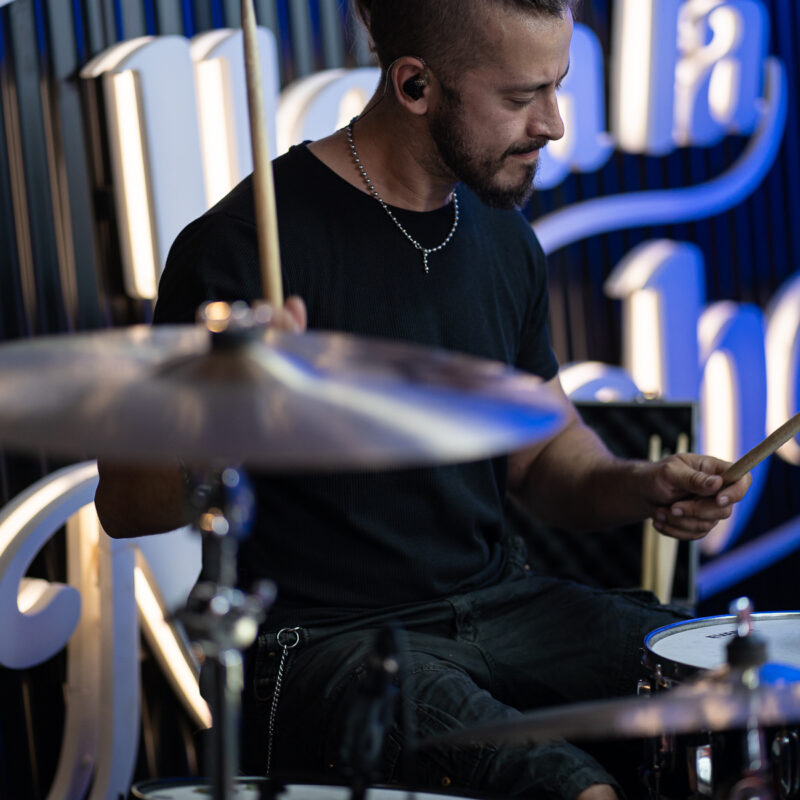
(280, 401)
(222, 619)
(371, 714)
(704, 763)
(231, 390)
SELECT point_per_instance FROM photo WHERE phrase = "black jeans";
(529, 642)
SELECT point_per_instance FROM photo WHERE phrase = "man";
(403, 226)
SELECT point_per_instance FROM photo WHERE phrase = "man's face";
(488, 131)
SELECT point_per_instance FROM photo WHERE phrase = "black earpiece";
(414, 87)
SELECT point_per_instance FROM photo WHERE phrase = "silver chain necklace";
(426, 251)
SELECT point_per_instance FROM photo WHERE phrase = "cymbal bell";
(719, 701)
(322, 401)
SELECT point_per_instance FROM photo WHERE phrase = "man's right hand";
(292, 317)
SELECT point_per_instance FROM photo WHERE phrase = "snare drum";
(679, 651)
(194, 789)
(265, 789)
(707, 764)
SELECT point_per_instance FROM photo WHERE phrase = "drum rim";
(661, 633)
(321, 783)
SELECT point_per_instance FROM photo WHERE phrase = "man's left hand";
(688, 496)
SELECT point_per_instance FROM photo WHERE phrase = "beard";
(449, 132)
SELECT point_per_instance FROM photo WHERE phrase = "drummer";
(405, 225)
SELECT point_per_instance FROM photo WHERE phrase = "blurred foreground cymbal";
(277, 400)
(719, 701)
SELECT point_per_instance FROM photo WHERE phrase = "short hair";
(446, 33)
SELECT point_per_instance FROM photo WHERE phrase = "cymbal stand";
(222, 619)
(746, 653)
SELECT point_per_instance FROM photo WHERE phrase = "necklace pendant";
(374, 192)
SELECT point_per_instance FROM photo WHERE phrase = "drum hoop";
(140, 790)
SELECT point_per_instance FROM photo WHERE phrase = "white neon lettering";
(718, 78)
(644, 59)
(220, 84)
(662, 288)
(170, 153)
(96, 613)
(783, 362)
(314, 106)
(586, 145)
(734, 402)
(594, 380)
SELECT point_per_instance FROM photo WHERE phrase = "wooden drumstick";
(761, 451)
(263, 188)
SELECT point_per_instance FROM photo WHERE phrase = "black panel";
(133, 20)
(202, 16)
(332, 34)
(100, 25)
(302, 39)
(267, 15)
(72, 171)
(12, 316)
(25, 53)
(168, 18)
(233, 13)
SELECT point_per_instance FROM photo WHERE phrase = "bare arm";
(136, 500)
(573, 481)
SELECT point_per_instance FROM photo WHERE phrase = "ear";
(409, 78)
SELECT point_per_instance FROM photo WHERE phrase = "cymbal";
(722, 700)
(279, 400)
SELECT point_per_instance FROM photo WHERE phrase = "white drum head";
(701, 643)
(250, 789)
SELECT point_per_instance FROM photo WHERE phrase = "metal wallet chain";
(286, 647)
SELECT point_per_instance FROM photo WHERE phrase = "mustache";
(533, 144)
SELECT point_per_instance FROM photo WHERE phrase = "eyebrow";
(534, 88)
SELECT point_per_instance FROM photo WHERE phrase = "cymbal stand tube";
(221, 618)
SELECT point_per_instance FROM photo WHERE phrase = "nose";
(546, 118)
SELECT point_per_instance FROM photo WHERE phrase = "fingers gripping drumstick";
(263, 189)
(761, 451)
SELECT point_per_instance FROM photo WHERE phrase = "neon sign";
(683, 72)
(95, 616)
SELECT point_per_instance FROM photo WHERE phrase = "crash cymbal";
(277, 400)
(722, 700)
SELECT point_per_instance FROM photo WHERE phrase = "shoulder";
(509, 227)
(510, 221)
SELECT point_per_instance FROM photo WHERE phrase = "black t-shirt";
(362, 540)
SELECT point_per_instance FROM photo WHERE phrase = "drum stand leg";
(222, 619)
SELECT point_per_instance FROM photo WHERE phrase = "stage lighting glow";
(170, 652)
(633, 84)
(31, 592)
(217, 138)
(644, 347)
(137, 228)
(783, 363)
(719, 407)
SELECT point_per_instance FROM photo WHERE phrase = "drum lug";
(644, 687)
